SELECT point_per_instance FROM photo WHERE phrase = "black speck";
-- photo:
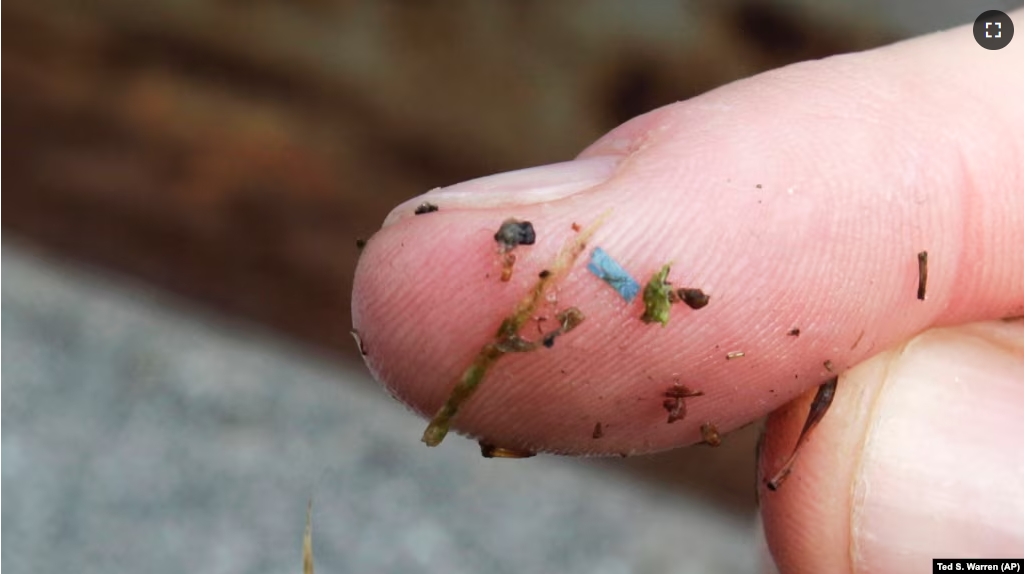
(425, 207)
(548, 341)
(544, 274)
(360, 243)
(794, 332)
(514, 232)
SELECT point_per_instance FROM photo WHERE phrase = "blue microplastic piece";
(606, 268)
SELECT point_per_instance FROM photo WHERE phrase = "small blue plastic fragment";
(606, 268)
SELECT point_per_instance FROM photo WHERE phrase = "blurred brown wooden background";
(233, 150)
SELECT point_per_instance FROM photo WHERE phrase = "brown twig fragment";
(923, 273)
(710, 435)
(488, 450)
(819, 405)
(675, 403)
(508, 262)
(507, 339)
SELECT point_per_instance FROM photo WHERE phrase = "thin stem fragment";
(819, 405)
(923, 273)
(508, 340)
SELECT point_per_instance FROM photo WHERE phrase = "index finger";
(799, 200)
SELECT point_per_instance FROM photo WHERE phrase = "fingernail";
(941, 470)
(521, 187)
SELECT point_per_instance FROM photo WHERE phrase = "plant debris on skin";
(795, 332)
(507, 339)
(657, 298)
(734, 355)
(598, 431)
(675, 401)
(923, 273)
(488, 450)
(425, 207)
(514, 233)
(603, 266)
(710, 435)
(694, 298)
(568, 320)
(511, 234)
(819, 405)
(508, 262)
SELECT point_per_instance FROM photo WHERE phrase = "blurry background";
(186, 180)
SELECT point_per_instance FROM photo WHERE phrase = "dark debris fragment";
(819, 406)
(923, 273)
(488, 450)
(598, 431)
(513, 233)
(693, 297)
(795, 332)
(425, 207)
(675, 403)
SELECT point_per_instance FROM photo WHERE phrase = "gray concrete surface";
(139, 435)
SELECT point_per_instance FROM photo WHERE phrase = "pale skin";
(863, 161)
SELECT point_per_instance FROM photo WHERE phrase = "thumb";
(919, 458)
(796, 199)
